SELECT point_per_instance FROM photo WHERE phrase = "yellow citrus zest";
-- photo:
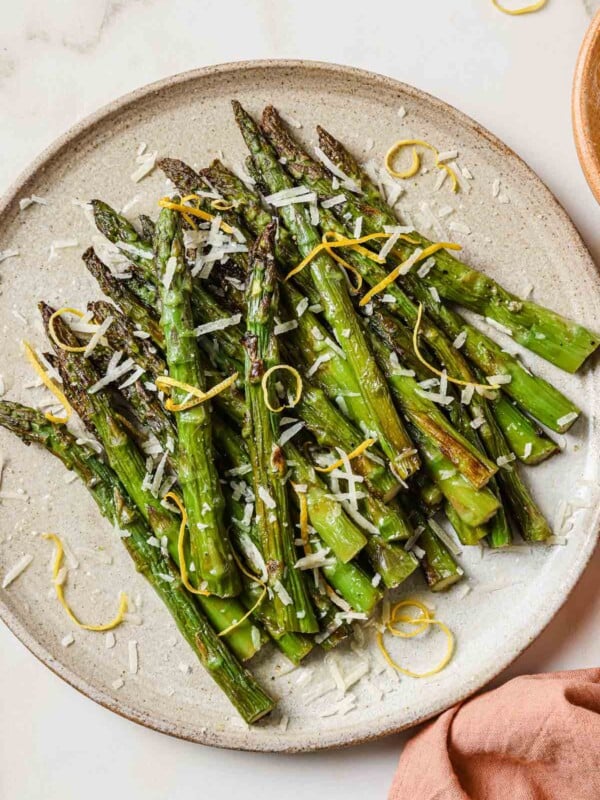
(184, 572)
(181, 546)
(303, 502)
(200, 396)
(53, 334)
(439, 373)
(515, 12)
(221, 205)
(332, 239)
(397, 271)
(356, 452)
(58, 588)
(416, 160)
(49, 384)
(188, 211)
(265, 387)
(420, 623)
(250, 611)
(356, 287)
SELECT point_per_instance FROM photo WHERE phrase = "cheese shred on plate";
(58, 578)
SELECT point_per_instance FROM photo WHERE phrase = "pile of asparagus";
(307, 491)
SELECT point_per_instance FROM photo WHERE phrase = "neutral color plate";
(521, 236)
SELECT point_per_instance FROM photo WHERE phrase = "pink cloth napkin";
(535, 738)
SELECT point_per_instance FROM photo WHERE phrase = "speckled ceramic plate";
(510, 225)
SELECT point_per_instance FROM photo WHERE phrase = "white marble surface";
(60, 61)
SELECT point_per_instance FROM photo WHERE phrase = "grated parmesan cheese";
(322, 359)
(217, 325)
(498, 326)
(284, 327)
(460, 340)
(336, 200)
(567, 419)
(17, 569)
(132, 651)
(266, 498)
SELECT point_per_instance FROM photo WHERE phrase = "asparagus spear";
(338, 307)
(538, 397)
(146, 405)
(113, 502)
(326, 514)
(146, 228)
(438, 564)
(292, 605)
(474, 507)
(121, 233)
(562, 342)
(534, 394)
(515, 425)
(427, 416)
(296, 646)
(133, 305)
(525, 439)
(348, 579)
(125, 459)
(209, 545)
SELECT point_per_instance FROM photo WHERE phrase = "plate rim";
(238, 739)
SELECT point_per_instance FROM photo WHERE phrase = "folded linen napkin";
(535, 738)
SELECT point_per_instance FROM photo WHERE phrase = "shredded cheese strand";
(53, 334)
(514, 12)
(439, 373)
(58, 588)
(49, 384)
(397, 271)
(356, 452)
(422, 622)
(165, 382)
(181, 546)
(416, 159)
(190, 210)
(265, 388)
(340, 241)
